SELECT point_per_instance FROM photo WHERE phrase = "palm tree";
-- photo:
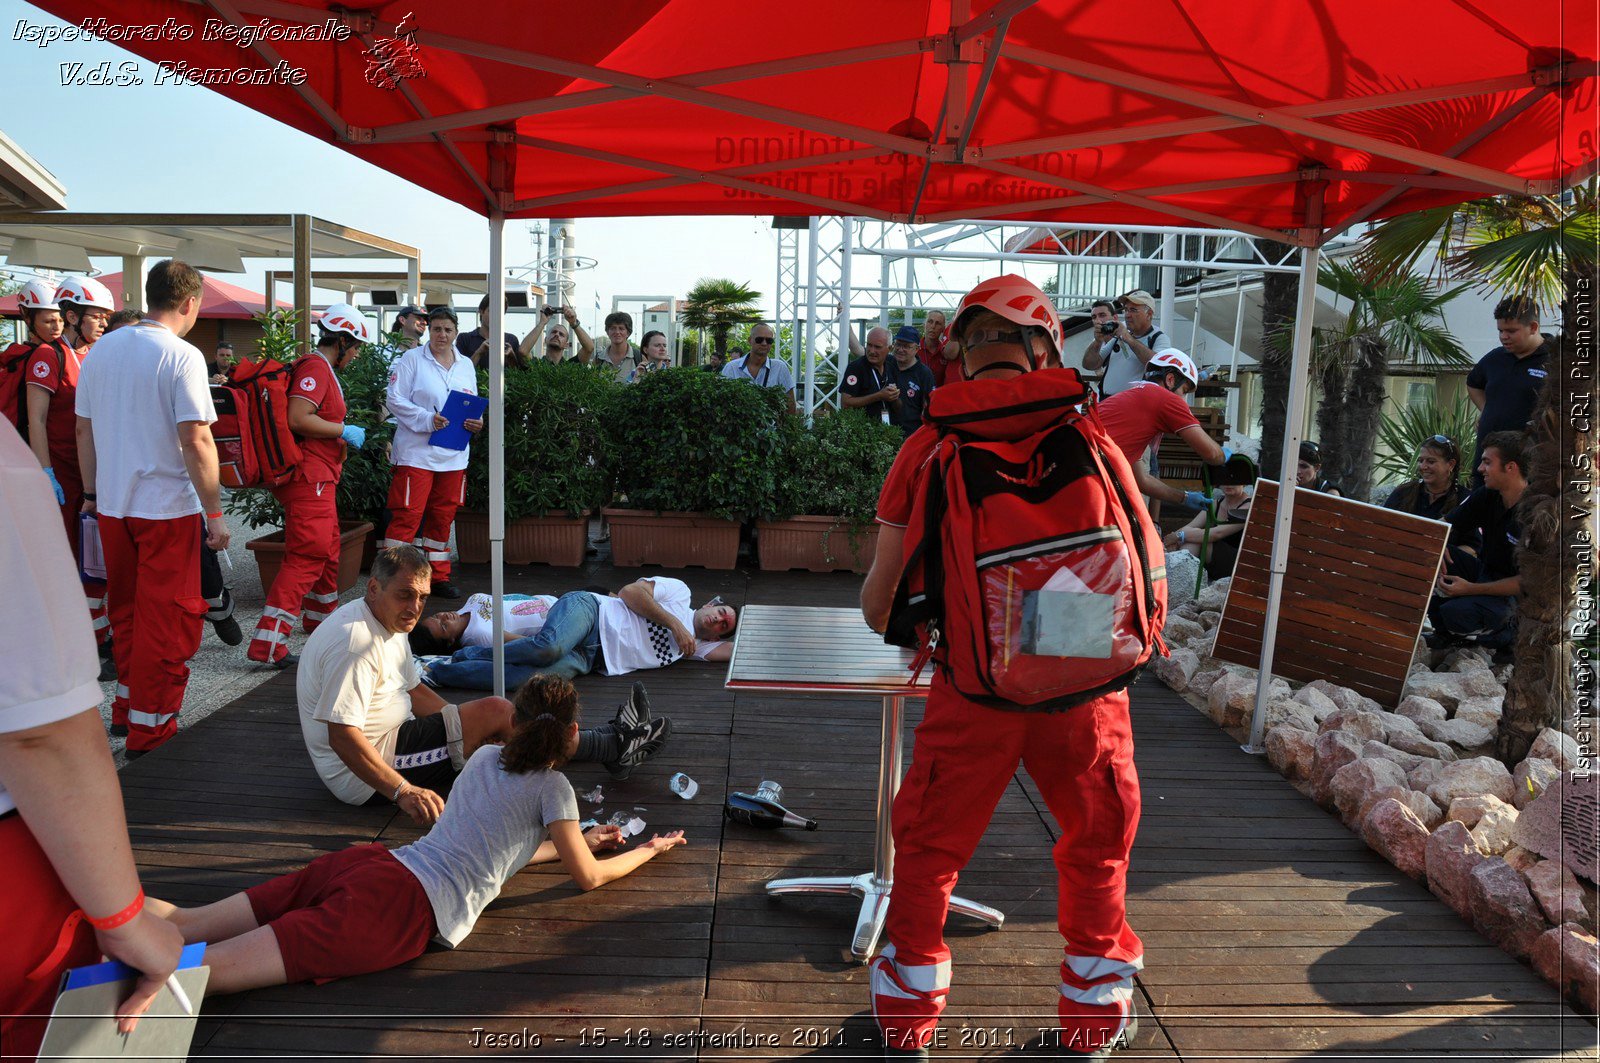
(718, 305)
(1278, 293)
(1394, 317)
(1544, 247)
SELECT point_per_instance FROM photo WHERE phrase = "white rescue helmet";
(342, 317)
(1016, 299)
(1173, 360)
(85, 291)
(37, 295)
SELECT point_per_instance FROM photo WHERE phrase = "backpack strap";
(926, 611)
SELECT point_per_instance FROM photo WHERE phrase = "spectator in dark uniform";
(1505, 383)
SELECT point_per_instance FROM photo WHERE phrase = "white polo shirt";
(774, 374)
(51, 669)
(418, 387)
(353, 671)
(137, 385)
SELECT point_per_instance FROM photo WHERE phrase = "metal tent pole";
(1299, 371)
(810, 362)
(497, 442)
(1236, 393)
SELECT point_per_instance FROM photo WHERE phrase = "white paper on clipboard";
(92, 556)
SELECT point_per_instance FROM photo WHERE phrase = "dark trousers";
(1489, 620)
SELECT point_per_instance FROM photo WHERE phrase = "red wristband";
(214, 516)
(111, 922)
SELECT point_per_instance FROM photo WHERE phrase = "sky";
(167, 148)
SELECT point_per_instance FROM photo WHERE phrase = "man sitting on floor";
(1475, 599)
(648, 624)
(375, 734)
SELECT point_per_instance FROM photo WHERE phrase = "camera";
(550, 310)
(1108, 328)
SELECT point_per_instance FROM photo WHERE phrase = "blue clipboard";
(113, 971)
(459, 406)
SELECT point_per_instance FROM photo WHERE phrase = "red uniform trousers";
(307, 586)
(963, 759)
(153, 592)
(422, 506)
(44, 934)
(94, 593)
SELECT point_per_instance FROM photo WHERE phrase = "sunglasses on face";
(764, 341)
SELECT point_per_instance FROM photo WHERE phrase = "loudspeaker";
(384, 297)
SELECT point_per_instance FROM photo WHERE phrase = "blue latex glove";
(55, 485)
(1227, 455)
(1195, 500)
(355, 435)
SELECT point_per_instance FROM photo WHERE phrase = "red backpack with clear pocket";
(1034, 576)
(255, 447)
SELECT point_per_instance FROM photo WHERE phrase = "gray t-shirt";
(1122, 367)
(492, 824)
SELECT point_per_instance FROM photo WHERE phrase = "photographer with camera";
(1125, 347)
(474, 345)
(556, 342)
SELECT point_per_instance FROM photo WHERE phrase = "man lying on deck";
(648, 624)
(376, 734)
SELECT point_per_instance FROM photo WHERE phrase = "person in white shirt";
(650, 623)
(376, 735)
(144, 444)
(759, 367)
(429, 481)
(473, 625)
(367, 908)
(72, 890)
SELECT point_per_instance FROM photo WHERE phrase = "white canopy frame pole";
(847, 291)
(1299, 371)
(808, 346)
(1169, 285)
(497, 444)
(1235, 393)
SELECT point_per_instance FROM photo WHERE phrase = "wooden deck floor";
(1271, 932)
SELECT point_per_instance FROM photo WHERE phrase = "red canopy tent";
(219, 300)
(1291, 119)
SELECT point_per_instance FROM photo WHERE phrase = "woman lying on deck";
(366, 909)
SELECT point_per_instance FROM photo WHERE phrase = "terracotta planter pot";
(553, 540)
(672, 540)
(269, 550)
(816, 544)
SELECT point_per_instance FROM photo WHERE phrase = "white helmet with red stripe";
(342, 317)
(37, 295)
(1170, 359)
(85, 291)
(1016, 299)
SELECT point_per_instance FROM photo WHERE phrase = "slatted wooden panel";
(1180, 466)
(1354, 595)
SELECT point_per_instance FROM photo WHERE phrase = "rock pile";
(1421, 787)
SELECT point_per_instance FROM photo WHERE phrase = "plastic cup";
(683, 786)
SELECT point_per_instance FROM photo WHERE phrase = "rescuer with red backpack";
(307, 586)
(42, 315)
(1013, 550)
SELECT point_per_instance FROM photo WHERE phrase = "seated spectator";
(866, 385)
(1437, 489)
(1137, 417)
(1308, 473)
(557, 339)
(912, 378)
(1221, 540)
(648, 624)
(619, 357)
(521, 615)
(474, 345)
(759, 367)
(1475, 599)
(375, 734)
(367, 908)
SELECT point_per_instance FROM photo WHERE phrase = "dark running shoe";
(288, 660)
(639, 746)
(446, 590)
(119, 730)
(634, 713)
(108, 670)
(227, 630)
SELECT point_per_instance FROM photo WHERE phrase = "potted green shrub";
(364, 482)
(823, 508)
(556, 474)
(694, 455)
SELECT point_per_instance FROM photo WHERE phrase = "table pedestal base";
(874, 893)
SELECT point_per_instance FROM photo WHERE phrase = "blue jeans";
(568, 646)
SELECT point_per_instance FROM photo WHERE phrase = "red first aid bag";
(1033, 576)
(254, 445)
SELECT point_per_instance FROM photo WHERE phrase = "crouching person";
(367, 908)
(376, 734)
(1475, 599)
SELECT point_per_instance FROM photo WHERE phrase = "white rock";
(1486, 711)
(1320, 704)
(1343, 697)
(1395, 833)
(1423, 747)
(1176, 668)
(1467, 811)
(1422, 776)
(1292, 751)
(1463, 734)
(1353, 782)
(1556, 889)
(1559, 749)
(1395, 724)
(1466, 778)
(1492, 835)
(1200, 683)
(1214, 596)
(1209, 618)
(1530, 778)
(1451, 688)
(1178, 629)
(1379, 751)
(1466, 659)
(1286, 712)
(1224, 699)
(1417, 709)
(1365, 726)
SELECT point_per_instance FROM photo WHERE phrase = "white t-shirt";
(51, 671)
(523, 616)
(418, 387)
(137, 385)
(493, 823)
(630, 642)
(353, 671)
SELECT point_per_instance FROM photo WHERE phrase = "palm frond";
(1393, 246)
(1401, 434)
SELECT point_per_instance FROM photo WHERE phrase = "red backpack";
(1034, 576)
(254, 445)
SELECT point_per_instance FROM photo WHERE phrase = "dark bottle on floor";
(761, 809)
